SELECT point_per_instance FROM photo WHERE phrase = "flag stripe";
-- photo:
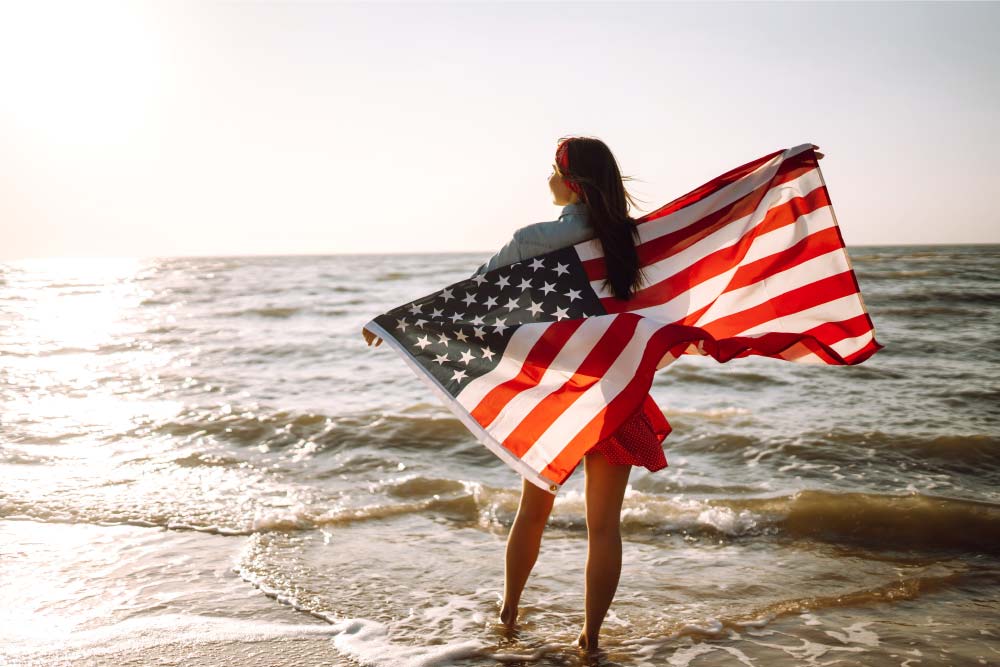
(586, 339)
(544, 351)
(567, 424)
(785, 304)
(667, 236)
(534, 422)
(741, 299)
(804, 320)
(820, 242)
(717, 183)
(732, 241)
(519, 346)
(615, 410)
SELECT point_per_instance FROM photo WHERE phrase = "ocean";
(202, 463)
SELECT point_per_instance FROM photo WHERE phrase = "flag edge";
(463, 415)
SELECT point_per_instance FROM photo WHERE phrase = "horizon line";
(425, 252)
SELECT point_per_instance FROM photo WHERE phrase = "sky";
(193, 129)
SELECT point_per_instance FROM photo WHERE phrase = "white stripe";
(849, 346)
(801, 354)
(730, 234)
(509, 366)
(562, 368)
(837, 310)
(783, 238)
(710, 204)
(754, 294)
(694, 212)
(687, 302)
(593, 400)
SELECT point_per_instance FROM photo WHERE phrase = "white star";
(535, 308)
(466, 357)
(443, 340)
(573, 295)
(512, 305)
(415, 308)
(436, 313)
(459, 375)
(478, 332)
(525, 284)
(478, 319)
(490, 301)
(446, 294)
(441, 358)
(502, 282)
(420, 323)
(561, 269)
(479, 278)
(488, 353)
(548, 288)
(561, 313)
(402, 324)
(499, 325)
(423, 342)
(537, 263)
(456, 316)
(469, 299)
(460, 336)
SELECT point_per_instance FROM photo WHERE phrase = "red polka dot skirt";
(639, 440)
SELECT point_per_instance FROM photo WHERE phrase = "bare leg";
(605, 486)
(522, 546)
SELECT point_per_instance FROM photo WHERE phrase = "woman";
(585, 180)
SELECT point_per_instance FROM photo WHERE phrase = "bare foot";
(584, 642)
(508, 615)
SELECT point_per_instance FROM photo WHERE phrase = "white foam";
(856, 634)
(683, 656)
(368, 642)
(727, 521)
(167, 629)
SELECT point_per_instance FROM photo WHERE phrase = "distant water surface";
(202, 461)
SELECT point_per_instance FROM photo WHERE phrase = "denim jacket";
(571, 228)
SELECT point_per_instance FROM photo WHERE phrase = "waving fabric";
(540, 361)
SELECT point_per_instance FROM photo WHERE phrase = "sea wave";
(248, 426)
(876, 521)
(973, 453)
(274, 311)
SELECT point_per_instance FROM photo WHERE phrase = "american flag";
(540, 361)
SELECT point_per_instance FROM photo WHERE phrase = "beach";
(204, 464)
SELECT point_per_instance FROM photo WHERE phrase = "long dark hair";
(594, 170)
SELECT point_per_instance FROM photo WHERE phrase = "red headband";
(562, 159)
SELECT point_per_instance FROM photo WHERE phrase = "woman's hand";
(819, 156)
(369, 337)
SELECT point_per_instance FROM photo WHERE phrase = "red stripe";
(724, 259)
(598, 361)
(542, 353)
(787, 213)
(857, 287)
(830, 333)
(811, 247)
(675, 339)
(707, 189)
(789, 303)
(671, 243)
(868, 350)
(617, 410)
